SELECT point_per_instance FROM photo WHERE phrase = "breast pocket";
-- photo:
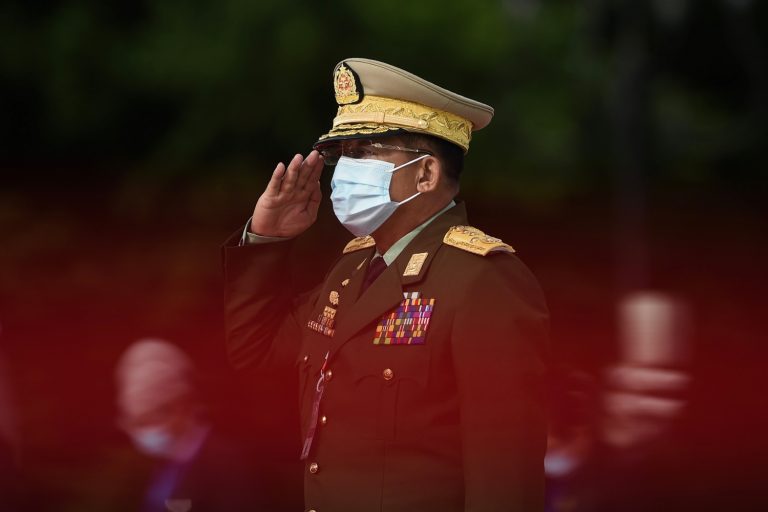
(391, 382)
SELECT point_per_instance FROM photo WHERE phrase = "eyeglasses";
(359, 149)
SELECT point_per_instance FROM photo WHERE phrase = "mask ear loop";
(422, 157)
(409, 198)
(403, 165)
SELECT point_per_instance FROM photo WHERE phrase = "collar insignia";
(414, 264)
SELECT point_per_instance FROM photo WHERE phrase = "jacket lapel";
(386, 292)
(352, 290)
(383, 294)
(352, 271)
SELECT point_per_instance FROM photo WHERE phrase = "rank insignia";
(356, 244)
(475, 241)
(407, 324)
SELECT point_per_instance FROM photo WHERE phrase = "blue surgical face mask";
(560, 465)
(360, 193)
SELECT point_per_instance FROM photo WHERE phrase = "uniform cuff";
(249, 238)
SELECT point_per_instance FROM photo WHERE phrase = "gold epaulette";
(475, 241)
(358, 243)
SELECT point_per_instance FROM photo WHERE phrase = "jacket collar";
(386, 292)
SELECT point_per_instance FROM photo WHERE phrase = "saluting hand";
(289, 204)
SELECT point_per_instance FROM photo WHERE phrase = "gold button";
(314, 468)
(388, 374)
(328, 375)
(324, 419)
(306, 358)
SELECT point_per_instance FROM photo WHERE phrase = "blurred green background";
(193, 92)
(628, 151)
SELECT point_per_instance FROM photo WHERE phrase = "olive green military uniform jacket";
(432, 387)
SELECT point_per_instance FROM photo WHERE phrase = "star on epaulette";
(358, 243)
(475, 241)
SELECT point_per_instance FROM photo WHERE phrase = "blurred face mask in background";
(153, 441)
(560, 464)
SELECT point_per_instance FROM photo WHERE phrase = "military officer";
(421, 356)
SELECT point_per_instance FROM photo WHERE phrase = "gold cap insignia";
(475, 241)
(346, 86)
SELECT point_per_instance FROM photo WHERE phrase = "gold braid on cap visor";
(376, 114)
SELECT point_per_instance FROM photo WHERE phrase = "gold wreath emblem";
(345, 86)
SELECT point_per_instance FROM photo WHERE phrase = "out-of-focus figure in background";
(569, 462)
(646, 388)
(162, 411)
(611, 441)
(645, 396)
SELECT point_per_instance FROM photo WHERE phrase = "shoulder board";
(475, 241)
(358, 243)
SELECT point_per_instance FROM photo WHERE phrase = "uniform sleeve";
(500, 342)
(262, 341)
(261, 309)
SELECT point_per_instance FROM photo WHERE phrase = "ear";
(430, 175)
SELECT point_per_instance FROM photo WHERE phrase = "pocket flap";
(394, 363)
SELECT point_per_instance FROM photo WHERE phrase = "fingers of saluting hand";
(291, 175)
(273, 187)
(313, 201)
(308, 170)
(299, 178)
(317, 170)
